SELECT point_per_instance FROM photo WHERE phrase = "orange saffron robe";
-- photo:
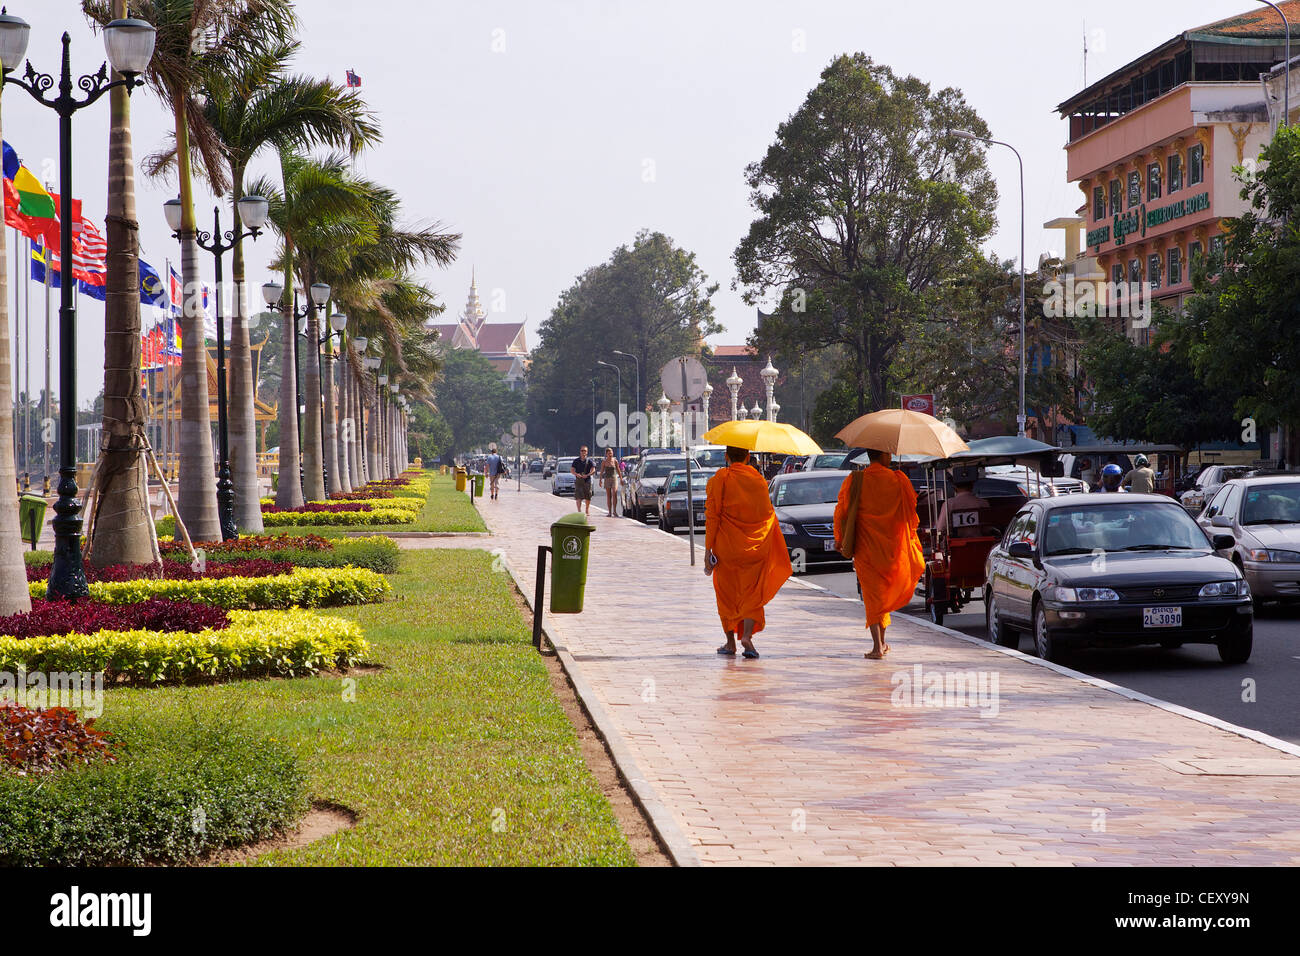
(741, 529)
(886, 551)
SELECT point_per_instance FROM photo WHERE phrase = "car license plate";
(1162, 617)
(828, 544)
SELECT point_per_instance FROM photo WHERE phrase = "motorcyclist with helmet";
(1141, 480)
(1111, 478)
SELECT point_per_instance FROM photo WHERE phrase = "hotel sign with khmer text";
(1140, 219)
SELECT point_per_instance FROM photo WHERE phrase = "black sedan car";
(1115, 570)
(805, 509)
(672, 498)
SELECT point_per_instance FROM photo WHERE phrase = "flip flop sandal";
(750, 654)
(725, 652)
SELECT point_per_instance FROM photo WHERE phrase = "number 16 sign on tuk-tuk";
(964, 512)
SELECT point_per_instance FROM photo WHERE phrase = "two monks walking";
(745, 551)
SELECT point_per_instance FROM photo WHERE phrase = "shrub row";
(376, 552)
(85, 617)
(243, 567)
(315, 507)
(255, 644)
(303, 587)
(164, 801)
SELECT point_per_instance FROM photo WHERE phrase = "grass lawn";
(456, 752)
(446, 509)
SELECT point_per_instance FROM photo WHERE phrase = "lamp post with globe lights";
(273, 295)
(734, 381)
(129, 45)
(330, 467)
(357, 459)
(252, 213)
(769, 375)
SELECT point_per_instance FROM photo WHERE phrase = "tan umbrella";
(902, 432)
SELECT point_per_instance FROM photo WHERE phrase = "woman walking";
(609, 480)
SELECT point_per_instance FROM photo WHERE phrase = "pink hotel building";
(1152, 146)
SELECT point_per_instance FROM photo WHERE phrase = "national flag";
(96, 290)
(152, 291)
(353, 79)
(29, 207)
(174, 291)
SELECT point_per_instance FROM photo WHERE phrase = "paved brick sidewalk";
(802, 757)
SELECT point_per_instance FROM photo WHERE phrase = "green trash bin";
(460, 479)
(570, 544)
(31, 516)
(478, 485)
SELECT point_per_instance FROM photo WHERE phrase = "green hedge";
(376, 552)
(256, 644)
(166, 800)
(302, 587)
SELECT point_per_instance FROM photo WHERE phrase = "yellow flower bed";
(257, 643)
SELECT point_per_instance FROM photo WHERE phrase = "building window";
(1175, 265)
(1195, 165)
(1194, 252)
(1216, 254)
(1098, 203)
(1134, 272)
(1175, 178)
(1115, 198)
(1153, 181)
(1153, 270)
(1117, 275)
(1134, 189)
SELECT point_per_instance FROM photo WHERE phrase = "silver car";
(1263, 515)
(562, 478)
(1208, 484)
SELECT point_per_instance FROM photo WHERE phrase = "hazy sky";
(549, 132)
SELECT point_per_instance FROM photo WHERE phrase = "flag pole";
(18, 381)
(48, 407)
(27, 369)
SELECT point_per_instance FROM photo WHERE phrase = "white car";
(562, 479)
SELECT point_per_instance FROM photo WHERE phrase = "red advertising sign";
(919, 403)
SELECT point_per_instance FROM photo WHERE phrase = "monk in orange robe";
(744, 549)
(886, 551)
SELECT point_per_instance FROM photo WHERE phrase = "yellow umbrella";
(902, 432)
(776, 437)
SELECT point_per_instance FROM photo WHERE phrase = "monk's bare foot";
(874, 655)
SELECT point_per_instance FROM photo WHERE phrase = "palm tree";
(259, 107)
(198, 39)
(14, 596)
(318, 211)
(123, 530)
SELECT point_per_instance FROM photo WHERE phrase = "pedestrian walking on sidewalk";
(583, 468)
(495, 466)
(744, 550)
(876, 523)
(609, 480)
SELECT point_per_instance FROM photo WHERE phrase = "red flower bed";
(253, 542)
(319, 506)
(85, 617)
(174, 570)
(36, 741)
(364, 494)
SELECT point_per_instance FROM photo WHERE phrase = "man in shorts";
(583, 469)
(495, 466)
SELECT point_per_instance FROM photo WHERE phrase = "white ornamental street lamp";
(663, 404)
(756, 413)
(734, 382)
(769, 374)
(704, 398)
(773, 410)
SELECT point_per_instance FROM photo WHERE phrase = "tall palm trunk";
(329, 431)
(241, 414)
(123, 530)
(312, 444)
(345, 425)
(372, 434)
(289, 490)
(14, 596)
(198, 481)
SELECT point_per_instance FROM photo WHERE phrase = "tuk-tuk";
(957, 548)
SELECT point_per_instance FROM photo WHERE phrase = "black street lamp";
(252, 212)
(129, 45)
(325, 366)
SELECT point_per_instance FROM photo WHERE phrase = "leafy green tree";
(866, 203)
(474, 401)
(650, 300)
(1240, 326)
